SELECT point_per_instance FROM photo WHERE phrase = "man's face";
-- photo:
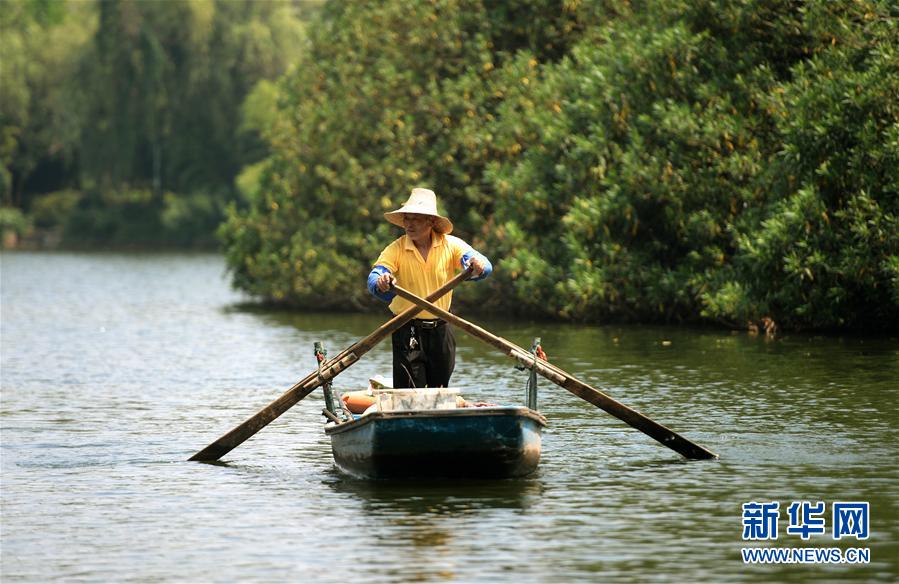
(417, 226)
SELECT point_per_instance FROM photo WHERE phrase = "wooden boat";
(492, 441)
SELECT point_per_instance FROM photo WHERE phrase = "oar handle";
(305, 386)
(632, 417)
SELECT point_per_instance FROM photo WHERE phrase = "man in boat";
(421, 261)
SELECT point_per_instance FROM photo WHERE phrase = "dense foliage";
(136, 108)
(661, 161)
(725, 161)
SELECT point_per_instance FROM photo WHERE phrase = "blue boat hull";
(466, 442)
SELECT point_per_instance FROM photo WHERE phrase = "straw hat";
(421, 202)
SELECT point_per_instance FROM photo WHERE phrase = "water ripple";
(119, 371)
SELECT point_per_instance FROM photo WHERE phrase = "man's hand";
(477, 267)
(384, 282)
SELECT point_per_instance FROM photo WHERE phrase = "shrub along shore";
(656, 161)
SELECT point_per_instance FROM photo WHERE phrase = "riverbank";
(471, 301)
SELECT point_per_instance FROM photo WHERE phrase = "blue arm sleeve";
(376, 272)
(488, 267)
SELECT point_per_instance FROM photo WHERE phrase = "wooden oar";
(305, 386)
(666, 436)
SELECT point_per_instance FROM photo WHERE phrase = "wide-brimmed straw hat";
(421, 202)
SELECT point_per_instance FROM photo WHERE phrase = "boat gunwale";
(419, 414)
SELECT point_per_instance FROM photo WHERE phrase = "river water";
(117, 367)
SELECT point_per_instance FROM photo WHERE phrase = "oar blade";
(252, 425)
(635, 419)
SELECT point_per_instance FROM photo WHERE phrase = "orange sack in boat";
(358, 401)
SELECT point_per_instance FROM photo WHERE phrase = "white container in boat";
(399, 400)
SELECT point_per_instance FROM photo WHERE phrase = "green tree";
(168, 80)
(40, 45)
(824, 252)
(138, 105)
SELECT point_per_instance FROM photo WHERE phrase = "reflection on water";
(117, 367)
(436, 497)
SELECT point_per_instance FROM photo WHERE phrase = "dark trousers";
(429, 360)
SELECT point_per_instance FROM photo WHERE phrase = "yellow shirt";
(422, 277)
